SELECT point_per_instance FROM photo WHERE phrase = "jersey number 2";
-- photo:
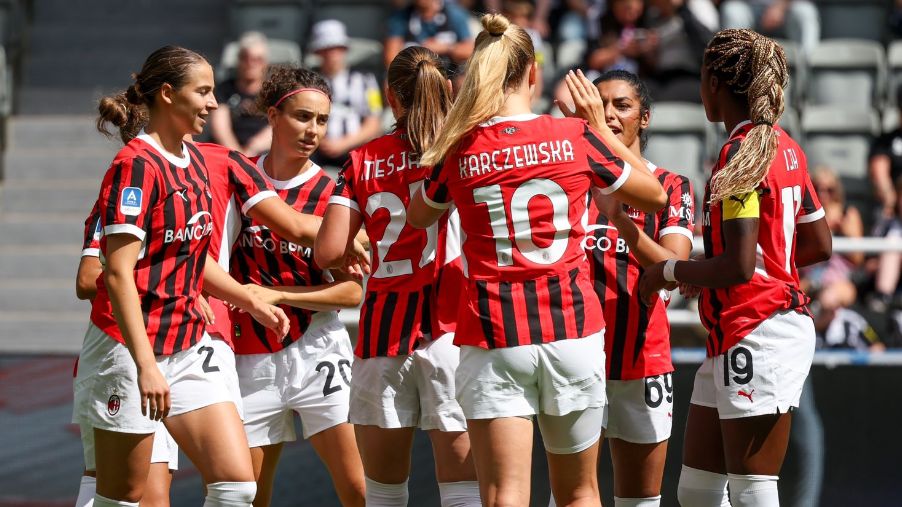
(398, 219)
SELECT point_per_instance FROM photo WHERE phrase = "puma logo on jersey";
(181, 193)
(747, 395)
(740, 201)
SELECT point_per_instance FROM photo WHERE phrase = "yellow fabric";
(741, 206)
(374, 100)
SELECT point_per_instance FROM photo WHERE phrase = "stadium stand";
(847, 73)
(841, 138)
(678, 137)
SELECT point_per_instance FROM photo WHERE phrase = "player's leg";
(703, 477)
(385, 453)
(156, 491)
(755, 448)
(265, 459)
(502, 453)
(337, 448)
(123, 462)
(638, 471)
(454, 468)
(571, 445)
(88, 485)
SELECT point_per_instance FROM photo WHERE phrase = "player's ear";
(166, 93)
(271, 114)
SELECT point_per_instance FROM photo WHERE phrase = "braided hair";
(754, 68)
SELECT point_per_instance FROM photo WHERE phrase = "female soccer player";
(760, 335)
(637, 345)
(146, 356)
(307, 371)
(403, 378)
(531, 332)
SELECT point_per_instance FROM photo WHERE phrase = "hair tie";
(299, 90)
(768, 123)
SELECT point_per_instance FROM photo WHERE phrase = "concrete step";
(60, 196)
(39, 261)
(48, 166)
(50, 295)
(57, 134)
(47, 229)
(43, 331)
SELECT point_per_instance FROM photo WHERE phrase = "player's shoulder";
(137, 152)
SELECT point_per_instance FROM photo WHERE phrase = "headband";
(299, 90)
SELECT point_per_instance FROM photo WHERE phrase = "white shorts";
(106, 386)
(165, 449)
(553, 378)
(640, 411)
(766, 370)
(311, 376)
(226, 357)
(415, 390)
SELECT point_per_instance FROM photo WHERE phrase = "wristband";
(669, 266)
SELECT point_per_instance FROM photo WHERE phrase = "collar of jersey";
(500, 119)
(737, 128)
(297, 181)
(176, 161)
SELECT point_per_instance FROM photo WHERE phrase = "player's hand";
(360, 255)
(206, 311)
(155, 400)
(651, 282)
(272, 317)
(353, 268)
(587, 101)
(607, 205)
(265, 294)
(689, 291)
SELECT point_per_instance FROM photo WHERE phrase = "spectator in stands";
(237, 124)
(889, 264)
(439, 25)
(356, 96)
(519, 12)
(885, 166)
(796, 19)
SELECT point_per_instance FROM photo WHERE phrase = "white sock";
(102, 501)
(230, 494)
(386, 495)
(86, 491)
(460, 494)
(754, 490)
(652, 501)
(700, 488)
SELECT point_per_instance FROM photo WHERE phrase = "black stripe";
(385, 322)
(426, 323)
(532, 311)
(644, 310)
(485, 314)
(316, 194)
(508, 317)
(622, 316)
(579, 310)
(716, 309)
(367, 325)
(410, 314)
(249, 169)
(556, 307)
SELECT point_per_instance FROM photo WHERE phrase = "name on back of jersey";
(516, 157)
(394, 163)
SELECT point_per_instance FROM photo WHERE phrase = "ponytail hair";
(129, 110)
(754, 68)
(420, 85)
(503, 55)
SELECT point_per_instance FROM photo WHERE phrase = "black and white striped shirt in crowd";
(355, 97)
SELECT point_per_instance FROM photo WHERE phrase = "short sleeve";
(129, 193)
(343, 193)
(249, 185)
(91, 244)
(742, 206)
(881, 146)
(609, 172)
(435, 189)
(678, 217)
(811, 210)
(397, 24)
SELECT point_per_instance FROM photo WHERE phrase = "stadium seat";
(847, 72)
(841, 139)
(363, 18)
(798, 72)
(791, 123)
(363, 54)
(894, 69)
(890, 119)
(279, 19)
(857, 19)
(280, 52)
(677, 138)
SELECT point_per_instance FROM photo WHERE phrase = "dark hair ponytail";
(420, 85)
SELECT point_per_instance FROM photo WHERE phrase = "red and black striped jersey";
(377, 181)
(520, 186)
(637, 336)
(164, 201)
(91, 245)
(264, 258)
(451, 282)
(784, 198)
(236, 183)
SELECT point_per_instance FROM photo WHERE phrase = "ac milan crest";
(112, 406)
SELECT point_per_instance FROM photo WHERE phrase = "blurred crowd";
(857, 299)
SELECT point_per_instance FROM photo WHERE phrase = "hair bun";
(133, 95)
(495, 24)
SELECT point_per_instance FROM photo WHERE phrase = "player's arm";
(285, 221)
(646, 250)
(814, 243)
(336, 237)
(221, 285)
(344, 292)
(431, 201)
(89, 268)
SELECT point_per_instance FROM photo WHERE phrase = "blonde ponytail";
(500, 61)
(755, 67)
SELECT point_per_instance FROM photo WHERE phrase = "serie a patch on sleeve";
(130, 201)
(741, 206)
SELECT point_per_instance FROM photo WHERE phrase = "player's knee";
(230, 494)
(650, 501)
(102, 501)
(753, 490)
(459, 494)
(700, 488)
(386, 495)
